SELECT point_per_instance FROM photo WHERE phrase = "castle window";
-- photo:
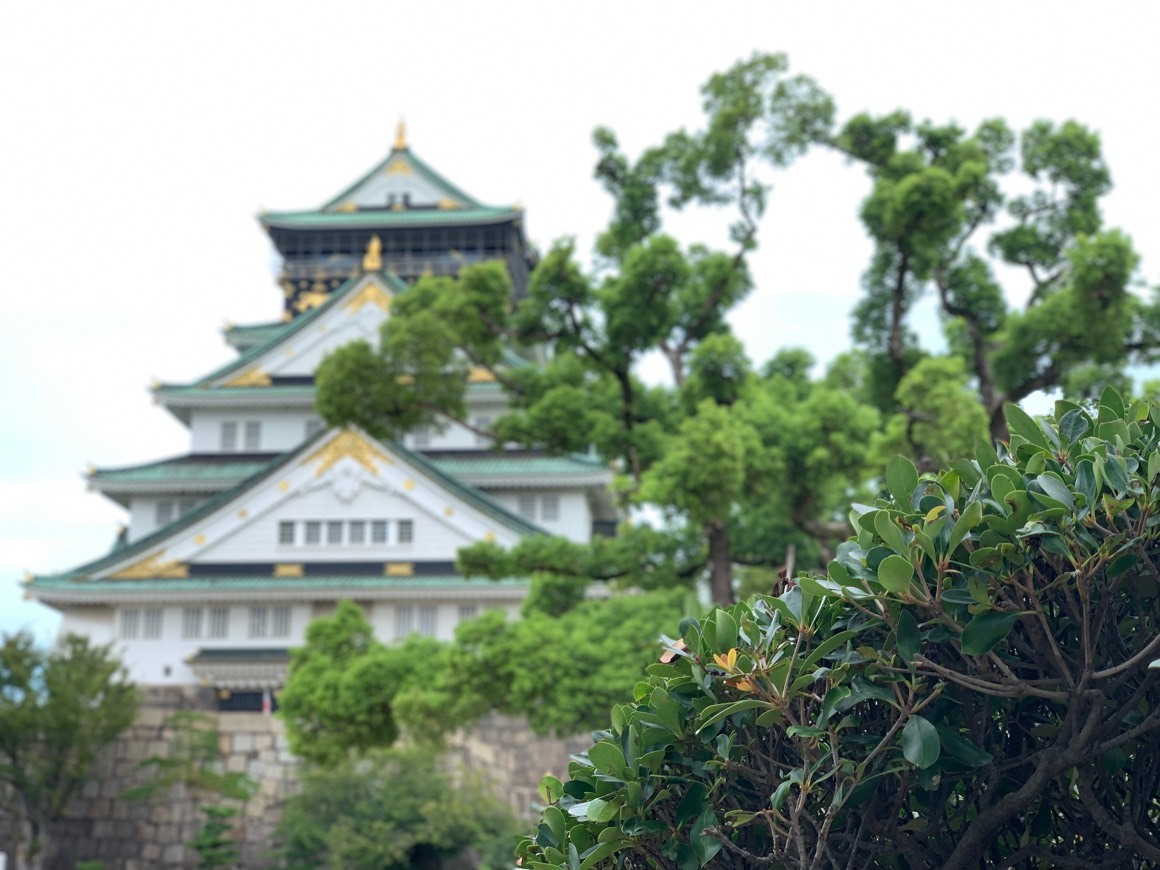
(526, 506)
(229, 439)
(313, 532)
(467, 611)
(358, 532)
(421, 437)
(406, 531)
(485, 424)
(404, 621)
(164, 513)
(151, 630)
(219, 622)
(280, 626)
(428, 620)
(334, 532)
(313, 427)
(550, 507)
(191, 623)
(286, 532)
(130, 620)
(257, 622)
(253, 434)
(379, 532)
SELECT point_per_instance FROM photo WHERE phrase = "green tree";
(399, 809)
(589, 332)
(935, 190)
(58, 710)
(974, 683)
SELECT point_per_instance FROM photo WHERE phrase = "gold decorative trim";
(348, 206)
(288, 570)
(312, 298)
(255, 377)
(399, 166)
(449, 511)
(398, 569)
(152, 566)
(199, 540)
(371, 294)
(449, 204)
(283, 485)
(243, 513)
(489, 536)
(408, 484)
(401, 135)
(348, 444)
(479, 375)
(373, 259)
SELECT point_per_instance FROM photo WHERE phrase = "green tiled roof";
(378, 218)
(252, 334)
(68, 582)
(248, 654)
(417, 165)
(284, 391)
(489, 464)
(184, 469)
(295, 326)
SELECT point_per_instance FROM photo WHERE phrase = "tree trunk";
(720, 563)
(30, 851)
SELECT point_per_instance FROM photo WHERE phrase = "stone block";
(243, 742)
(236, 763)
(151, 852)
(256, 770)
(152, 717)
(225, 743)
(160, 814)
(263, 741)
(173, 855)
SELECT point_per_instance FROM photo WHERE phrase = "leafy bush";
(394, 809)
(969, 685)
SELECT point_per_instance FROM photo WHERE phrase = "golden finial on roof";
(373, 259)
(401, 136)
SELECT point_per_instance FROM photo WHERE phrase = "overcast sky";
(138, 143)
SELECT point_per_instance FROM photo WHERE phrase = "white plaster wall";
(257, 541)
(147, 660)
(575, 517)
(143, 512)
(282, 429)
(95, 623)
(382, 617)
(303, 352)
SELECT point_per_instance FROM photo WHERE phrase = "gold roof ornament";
(373, 259)
(401, 136)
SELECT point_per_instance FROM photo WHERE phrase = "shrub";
(969, 685)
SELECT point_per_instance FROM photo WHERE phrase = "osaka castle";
(230, 550)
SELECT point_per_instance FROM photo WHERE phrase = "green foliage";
(58, 710)
(969, 684)
(215, 842)
(399, 809)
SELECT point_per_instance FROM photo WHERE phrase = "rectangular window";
(421, 437)
(467, 611)
(253, 434)
(428, 620)
(164, 513)
(483, 423)
(286, 532)
(151, 630)
(130, 619)
(313, 532)
(219, 622)
(280, 623)
(406, 531)
(550, 507)
(257, 622)
(527, 507)
(191, 623)
(334, 532)
(229, 435)
(313, 427)
(379, 532)
(404, 621)
(358, 532)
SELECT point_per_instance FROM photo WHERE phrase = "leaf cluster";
(969, 683)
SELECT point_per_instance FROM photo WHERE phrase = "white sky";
(138, 140)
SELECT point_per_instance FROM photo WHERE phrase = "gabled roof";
(167, 552)
(244, 336)
(400, 190)
(214, 472)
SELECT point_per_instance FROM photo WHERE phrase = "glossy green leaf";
(986, 631)
(962, 749)
(716, 712)
(1056, 489)
(901, 480)
(1020, 423)
(968, 519)
(895, 574)
(608, 758)
(908, 638)
(920, 742)
(889, 531)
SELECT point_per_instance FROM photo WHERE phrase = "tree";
(589, 332)
(58, 710)
(398, 809)
(934, 190)
(969, 685)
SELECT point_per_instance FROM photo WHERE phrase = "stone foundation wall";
(102, 825)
